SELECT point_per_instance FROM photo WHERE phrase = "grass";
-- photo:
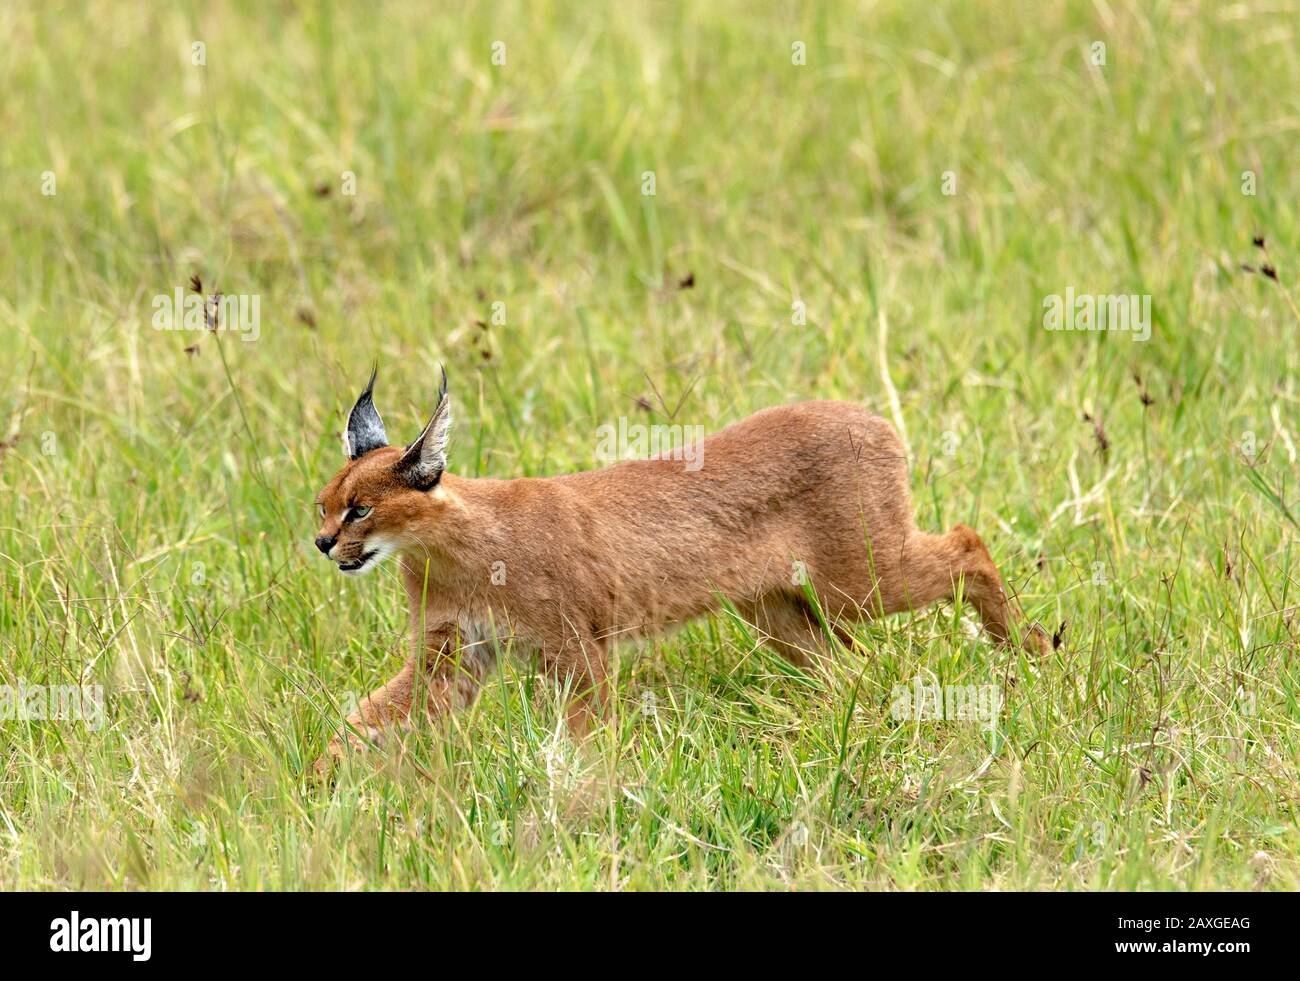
(156, 487)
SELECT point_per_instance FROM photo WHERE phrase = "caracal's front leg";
(445, 675)
(579, 664)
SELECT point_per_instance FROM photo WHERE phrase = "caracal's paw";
(323, 769)
(339, 749)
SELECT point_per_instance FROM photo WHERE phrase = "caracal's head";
(368, 510)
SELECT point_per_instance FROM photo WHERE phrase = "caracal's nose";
(325, 543)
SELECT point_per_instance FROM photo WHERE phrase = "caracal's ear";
(365, 430)
(422, 464)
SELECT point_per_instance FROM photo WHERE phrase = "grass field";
(880, 223)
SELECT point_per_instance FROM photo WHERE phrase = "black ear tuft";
(422, 464)
(365, 430)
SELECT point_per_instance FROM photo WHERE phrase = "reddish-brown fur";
(815, 492)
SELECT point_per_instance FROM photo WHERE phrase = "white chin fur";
(381, 550)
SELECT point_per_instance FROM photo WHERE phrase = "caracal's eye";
(360, 511)
(321, 509)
